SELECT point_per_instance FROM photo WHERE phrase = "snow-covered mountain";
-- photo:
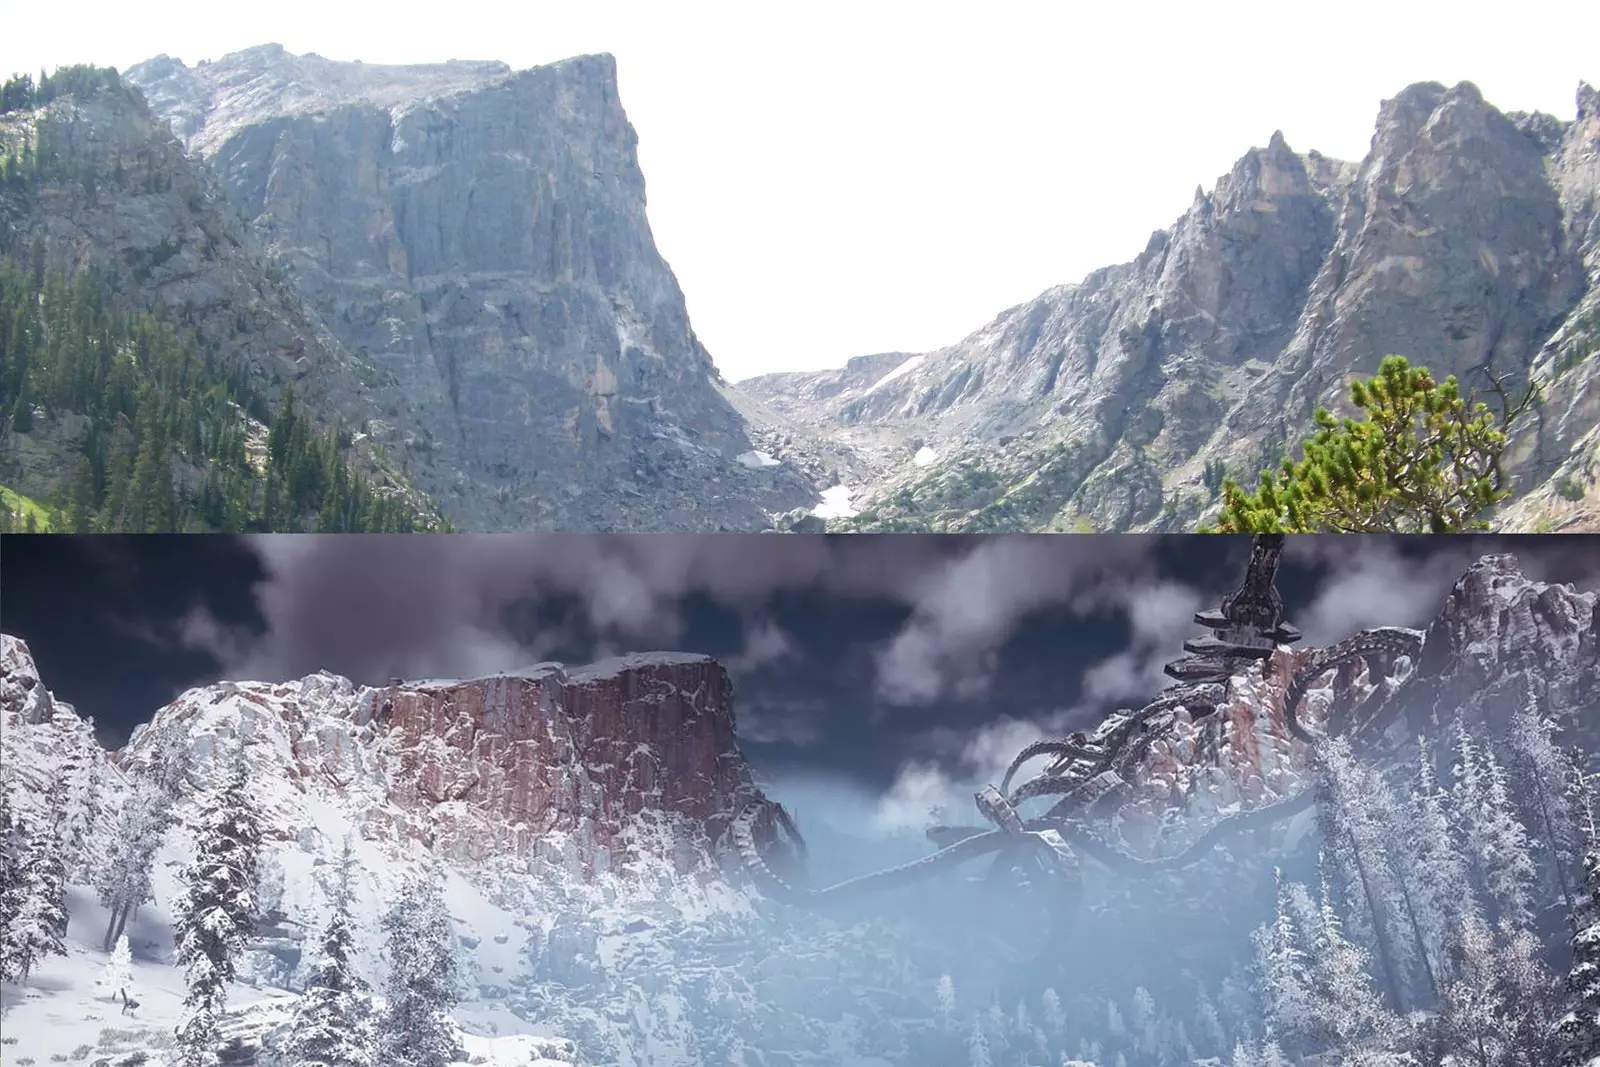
(577, 817)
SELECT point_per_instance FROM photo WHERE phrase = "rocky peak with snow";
(548, 763)
(1502, 636)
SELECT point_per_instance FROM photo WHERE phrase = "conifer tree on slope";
(218, 910)
(12, 845)
(422, 985)
(118, 972)
(1578, 1029)
(333, 1021)
(40, 924)
(123, 880)
(81, 788)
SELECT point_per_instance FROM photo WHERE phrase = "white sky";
(832, 179)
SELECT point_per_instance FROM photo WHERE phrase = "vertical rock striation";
(478, 238)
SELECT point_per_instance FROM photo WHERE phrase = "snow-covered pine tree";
(333, 1021)
(1541, 769)
(421, 989)
(1347, 1009)
(945, 998)
(1436, 875)
(1210, 1038)
(1578, 1029)
(118, 972)
(13, 846)
(978, 1046)
(81, 781)
(123, 880)
(1356, 810)
(1055, 1019)
(218, 909)
(1509, 871)
(1471, 1022)
(40, 925)
(1286, 983)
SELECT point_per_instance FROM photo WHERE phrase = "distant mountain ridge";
(1467, 240)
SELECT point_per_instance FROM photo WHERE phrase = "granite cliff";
(1467, 240)
(476, 238)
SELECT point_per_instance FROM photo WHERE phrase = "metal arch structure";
(1089, 772)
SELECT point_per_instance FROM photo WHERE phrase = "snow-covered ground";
(899, 372)
(757, 460)
(835, 504)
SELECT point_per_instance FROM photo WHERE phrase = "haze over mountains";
(579, 817)
(469, 247)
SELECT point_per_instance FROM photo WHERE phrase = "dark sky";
(858, 655)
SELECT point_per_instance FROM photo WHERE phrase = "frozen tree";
(1286, 980)
(1435, 869)
(1542, 770)
(123, 880)
(81, 788)
(39, 924)
(13, 846)
(333, 1021)
(1244, 1056)
(217, 909)
(1473, 1024)
(978, 1046)
(1578, 1029)
(1055, 1019)
(421, 988)
(1208, 1032)
(1508, 868)
(269, 886)
(945, 993)
(1495, 842)
(1272, 1056)
(1354, 816)
(118, 972)
(1144, 1020)
(1346, 1009)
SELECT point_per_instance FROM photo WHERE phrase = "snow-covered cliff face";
(545, 763)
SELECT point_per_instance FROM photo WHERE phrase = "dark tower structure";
(1248, 626)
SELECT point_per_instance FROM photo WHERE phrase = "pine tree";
(218, 910)
(978, 1046)
(1347, 1009)
(945, 996)
(421, 988)
(13, 886)
(118, 972)
(1424, 459)
(123, 881)
(1436, 870)
(1285, 971)
(40, 925)
(333, 1021)
(81, 785)
(1578, 1029)
(1505, 850)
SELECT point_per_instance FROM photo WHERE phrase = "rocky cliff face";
(152, 223)
(1464, 240)
(478, 238)
(546, 764)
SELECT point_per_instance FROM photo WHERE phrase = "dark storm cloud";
(375, 607)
